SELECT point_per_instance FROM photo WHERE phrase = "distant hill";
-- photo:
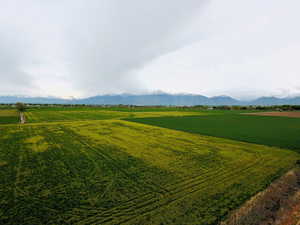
(154, 99)
(33, 100)
(276, 101)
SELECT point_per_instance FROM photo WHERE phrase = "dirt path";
(294, 114)
(22, 118)
(290, 215)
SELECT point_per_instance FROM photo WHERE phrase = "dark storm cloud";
(98, 43)
(110, 39)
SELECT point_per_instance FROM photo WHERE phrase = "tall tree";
(21, 107)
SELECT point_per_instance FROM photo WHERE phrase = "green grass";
(119, 172)
(282, 132)
(8, 116)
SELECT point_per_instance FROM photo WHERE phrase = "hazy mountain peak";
(158, 98)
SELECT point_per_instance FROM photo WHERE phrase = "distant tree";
(20, 106)
(296, 107)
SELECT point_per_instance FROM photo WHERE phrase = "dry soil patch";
(284, 114)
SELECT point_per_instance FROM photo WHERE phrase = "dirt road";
(22, 118)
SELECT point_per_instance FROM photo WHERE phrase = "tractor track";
(111, 161)
(150, 202)
(158, 197)
(120, 214)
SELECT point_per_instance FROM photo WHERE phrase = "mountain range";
(153, 99)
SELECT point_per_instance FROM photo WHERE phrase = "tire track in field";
(111, 161)
(159, 189)
(18, 171)
(67, 165)
(146, 196)
(183, 183)
(147, 205)
(17, 179)
(182, 196)
(151, 199)
(150, 203)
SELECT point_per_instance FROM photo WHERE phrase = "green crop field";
(8, 116)
(282, 132)
(118, 172)
(87, 166)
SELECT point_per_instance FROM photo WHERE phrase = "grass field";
(8, 116)
(118, 172)
(282, 132)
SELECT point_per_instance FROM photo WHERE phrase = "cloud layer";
(92, 47)
(211, 47)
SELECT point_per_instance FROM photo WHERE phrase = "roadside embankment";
(279, 204)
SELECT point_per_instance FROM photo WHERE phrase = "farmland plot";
(8, 116)
(52, 116)
(75, 115)
(281, 132)
(118, 172)
(292, 114)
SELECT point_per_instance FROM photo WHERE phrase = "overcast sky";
(81, 48)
